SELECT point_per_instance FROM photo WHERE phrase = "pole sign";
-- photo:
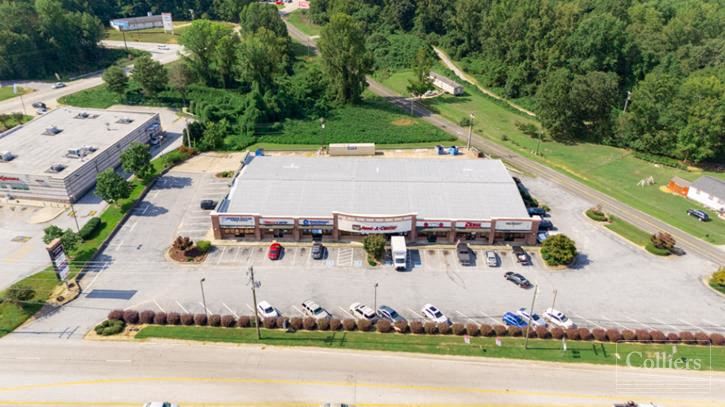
(59, 259)
(167, 21)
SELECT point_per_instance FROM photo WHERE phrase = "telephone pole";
(470, 130)
(255, 284)
(531, 313)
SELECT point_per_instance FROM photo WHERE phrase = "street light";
(554, 301)
(203, 298)
(73, 210)
(375, 298)
(470, 129)
(255, 284)
(531, 313)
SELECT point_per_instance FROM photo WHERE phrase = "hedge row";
(415, 327)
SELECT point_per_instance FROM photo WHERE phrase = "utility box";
(352, 149)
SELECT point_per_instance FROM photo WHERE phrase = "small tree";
(19, 293)
(374, 245)
(718, 279)
(558, 250)
(183, 243)
(137, 159)
(68, 238)
(111, 187)
(51, 233)
(180, 77)
(422, 82)
(663, 240)
(150, 74)
(116, 80)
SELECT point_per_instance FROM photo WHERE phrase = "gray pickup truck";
(465, 254)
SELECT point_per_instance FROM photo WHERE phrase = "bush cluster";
(596, 214)
(110, 327)
(147, 317)
(89, 228)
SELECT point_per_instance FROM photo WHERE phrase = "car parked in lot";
(266, 310)
(702, 216)
(275, 251)
(511, 319)
(160, 404)
(521, 255)
(537, 211)
(434, 314)
(544, 224)
(207, 204)
(318, 251)
(41, 111)
(491, 258)
(531, 318)
(389, 314)
(39, 105)
(314, 310)
(58, 85)
(517, 279)
(558, 318)
(465, 254)
(541, 236)
(362, 311)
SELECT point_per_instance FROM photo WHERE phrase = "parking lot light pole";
(255, 284)
(203, 298)
(554, 301)
(531, 314)
(375, 298)
(470, 131)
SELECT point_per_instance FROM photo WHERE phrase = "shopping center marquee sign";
(375, 224)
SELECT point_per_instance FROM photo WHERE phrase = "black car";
(537, 211)
(545, 224)
(318, 251)
(207, 204)
(702, 216)
(39, 105)
(521, 255)
(517, 279)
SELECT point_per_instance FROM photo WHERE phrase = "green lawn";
(300, 20)
(612, 170)
(628, 231)
(512, 348)
(6, 92)
(149, 35)
(8, 121)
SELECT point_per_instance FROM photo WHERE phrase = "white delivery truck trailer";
(399, 251)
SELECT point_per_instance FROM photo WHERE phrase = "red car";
(275, 250)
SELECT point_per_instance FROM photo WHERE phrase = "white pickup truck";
(399, 252)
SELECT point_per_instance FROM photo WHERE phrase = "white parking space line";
(160, 307)
(137, 304)
(119, 245)
(588, 321)
(487, 316)
(416, 314)
(133, 226)
(640, 323)
(345, 312)
(466, 316)
(666, 324)
(205, 309)
(221, 256)
(230, 310)
(250, 308)
(182, 307)
(298, 310)
(713, 325)
(694, 326)
(614, 322)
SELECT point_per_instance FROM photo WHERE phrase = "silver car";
(491, 259)
(314, 310)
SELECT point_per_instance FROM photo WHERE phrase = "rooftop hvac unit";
(85, 115)
(80, 152)
(125, 120)
(52, 131)
(6, 156)
(55, 168)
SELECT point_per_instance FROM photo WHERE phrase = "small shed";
(679, 186)
(445, 84)
(708, 191)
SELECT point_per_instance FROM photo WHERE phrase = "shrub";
(687, 337)
(348, 324)
(243, 321)
(130, 316)
(187, 319)
(147, 317)
(110, 327)
(500, 330)
(458, 329)
(717, 339)
(628, 335)
(558, 250)
(572, 333)
(416, 327)
(444, 328)
(309, 324)
(658, 337)
(643, 335)
(116, 315)
(557, 333)
(160, 318)
(215, 320)
(401, 326)
(87, 230)
(282, 322)
(472, 329)
(183, 243)
(201, 319)
(663, 240)
(486, 330)
(335, 324)
(384, 326)
(613, 335)
(364, 325)
(430, 328)
(532, 332)
(702, 338)
(656, 250)
(596, 214)
(659, 159)
(717, 280)
(542, 332)
(323, 324)
(203, 246)
(173, 318)
(585, 334)
(514, 331)
(599, 334)
(296, 323)
(269, 323)
(374, 246)
(228, 321)
(673, 337)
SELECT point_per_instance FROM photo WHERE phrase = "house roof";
(711, 185)
(681, 181)
(444, 79)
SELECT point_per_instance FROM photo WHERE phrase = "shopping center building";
(346, 198)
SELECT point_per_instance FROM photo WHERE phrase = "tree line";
(577, 62)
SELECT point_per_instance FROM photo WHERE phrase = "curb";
(706, 281)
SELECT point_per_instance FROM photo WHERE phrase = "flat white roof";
(432, 188)
(35, 151)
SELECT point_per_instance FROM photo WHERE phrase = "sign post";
(59, 259)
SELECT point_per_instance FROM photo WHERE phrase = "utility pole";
(203, 298)
(531, 313)
(554, 302)
(75, 216)
(375, 298)
(124, 39)
(255, 284)
(470, 130)
(626, 101)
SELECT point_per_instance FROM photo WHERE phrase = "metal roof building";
(56, 156)
(348, 196)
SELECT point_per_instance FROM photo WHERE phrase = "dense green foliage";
(374, 246)
(345, 59)
(136, 159)
(90, 228)
(110, 327)
(68, 238)
(112, 187)
(558, 250)
(150, 74)
(116, 80)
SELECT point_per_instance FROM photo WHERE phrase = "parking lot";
(612, 284)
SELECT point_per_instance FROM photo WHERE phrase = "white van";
(399, 252)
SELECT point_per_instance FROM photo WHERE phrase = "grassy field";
(302, 22)
(612, 170)
(628, 231)
(8, 121)
(512, 348)
(6, 92)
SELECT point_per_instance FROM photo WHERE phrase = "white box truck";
(399, 251)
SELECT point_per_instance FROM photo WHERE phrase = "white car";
(541, 236)
(160, 404)
(58, 85)
(558, 318)
(266, 310)
(434, 314)
(314, 310)
(534, 319)
(362, 311)
(491, 259)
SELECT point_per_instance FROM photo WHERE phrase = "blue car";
(511, 319)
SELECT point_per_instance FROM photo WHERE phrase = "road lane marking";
(230, 310)
(182, 307)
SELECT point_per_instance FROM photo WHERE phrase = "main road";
(192, 374)
(636, 217)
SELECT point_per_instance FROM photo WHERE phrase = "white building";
(137, 23)
(446, 85)
(708, 191)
